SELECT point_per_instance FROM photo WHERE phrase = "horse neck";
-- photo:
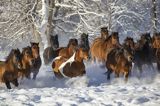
(10, 65)
(70, 50)
(77, 57)
(25, 63)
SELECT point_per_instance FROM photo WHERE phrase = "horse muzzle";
(130, 58)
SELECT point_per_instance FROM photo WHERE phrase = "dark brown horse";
(129, 43)
(84, 43)
(100, 48)
(119, 61)
(27, 62)
(68, 51)
(50, 52)
(37, 59)
(143, 52)
(71, 67)
(10, 68)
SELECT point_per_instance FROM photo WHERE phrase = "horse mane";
(10, 55)
(108, 38)
(24, 49)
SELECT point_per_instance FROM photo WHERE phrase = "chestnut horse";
(37, 59)
(100, 48)
(68, 51)
(10, 68)
(119, 61)
(27, 62)
(71, 67)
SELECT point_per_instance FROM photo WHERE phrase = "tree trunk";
(154, 16)
(50, 27)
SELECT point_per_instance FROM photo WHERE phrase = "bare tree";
(154, 16)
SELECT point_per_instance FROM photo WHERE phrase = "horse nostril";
(131, 58)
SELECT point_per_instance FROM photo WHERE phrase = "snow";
(90, 90)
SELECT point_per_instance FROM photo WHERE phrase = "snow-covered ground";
(90, 90)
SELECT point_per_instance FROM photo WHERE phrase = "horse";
(50, 52)
(27, 62)
(143, 52)
(84, 43)
(9, 69)
(37, 59)
(156, 49)
(104, 33)
(72, 67)
(100, 48)
(119, 61)
(68, 51)
(129, 43)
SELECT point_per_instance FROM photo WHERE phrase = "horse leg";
(15, 82)
(139, 66)
(126, 76)
(158, 66)
(150, 65)
(108, 74)
(35, 74)
(8, 85)
(117, 74)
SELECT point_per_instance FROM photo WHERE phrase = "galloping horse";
(10, 68)
(100, 48)
(143, 52)
(27, 62)
(129, 43)
(119, 60)
(71, 67)
(37, 59)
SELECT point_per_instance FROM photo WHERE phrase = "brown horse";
(104, 33)
(129, 43)
(119, 61)
(50, 52)
(27, 62)
(143, 52)
(156, 40)
(84, 42)
(156, 49)
(68, 51)
(10, 68)
(71, 67)
(100, 48)
(37, 59)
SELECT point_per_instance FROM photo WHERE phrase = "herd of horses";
(68, 62)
